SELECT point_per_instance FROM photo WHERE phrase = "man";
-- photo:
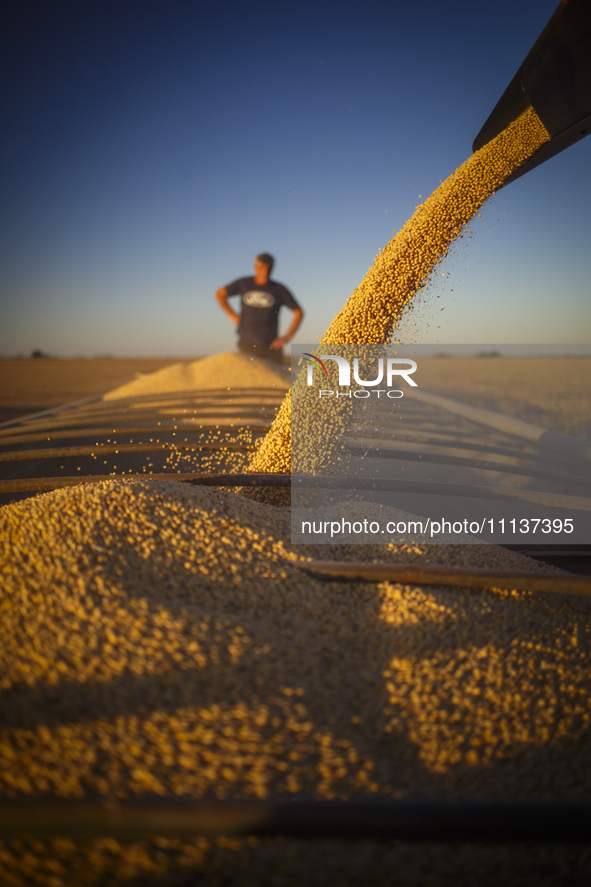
(258, 320)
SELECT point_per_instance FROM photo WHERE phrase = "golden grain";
(154, 638)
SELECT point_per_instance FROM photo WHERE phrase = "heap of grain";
(235, 386)
(157, 638)
(403, 266)
(226, 370)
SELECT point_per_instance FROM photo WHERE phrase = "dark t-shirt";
(260, 308)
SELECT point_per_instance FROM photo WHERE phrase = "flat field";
(551, 392)
(30, 385)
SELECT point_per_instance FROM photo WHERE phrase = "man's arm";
(280, 341)
(222, 297)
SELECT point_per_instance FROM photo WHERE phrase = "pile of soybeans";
(218, 371)
(156, 639)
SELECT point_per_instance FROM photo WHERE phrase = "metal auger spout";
(554, 79)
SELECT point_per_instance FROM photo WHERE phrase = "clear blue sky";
(152, 147)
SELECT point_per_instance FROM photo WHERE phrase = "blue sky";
(153, 147)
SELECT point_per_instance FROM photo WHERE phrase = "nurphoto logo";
(385, 372)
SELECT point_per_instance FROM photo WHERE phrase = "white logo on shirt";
(258, 299)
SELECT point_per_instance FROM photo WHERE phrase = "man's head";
(263, 264)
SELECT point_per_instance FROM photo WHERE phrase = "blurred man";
(258, 321)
